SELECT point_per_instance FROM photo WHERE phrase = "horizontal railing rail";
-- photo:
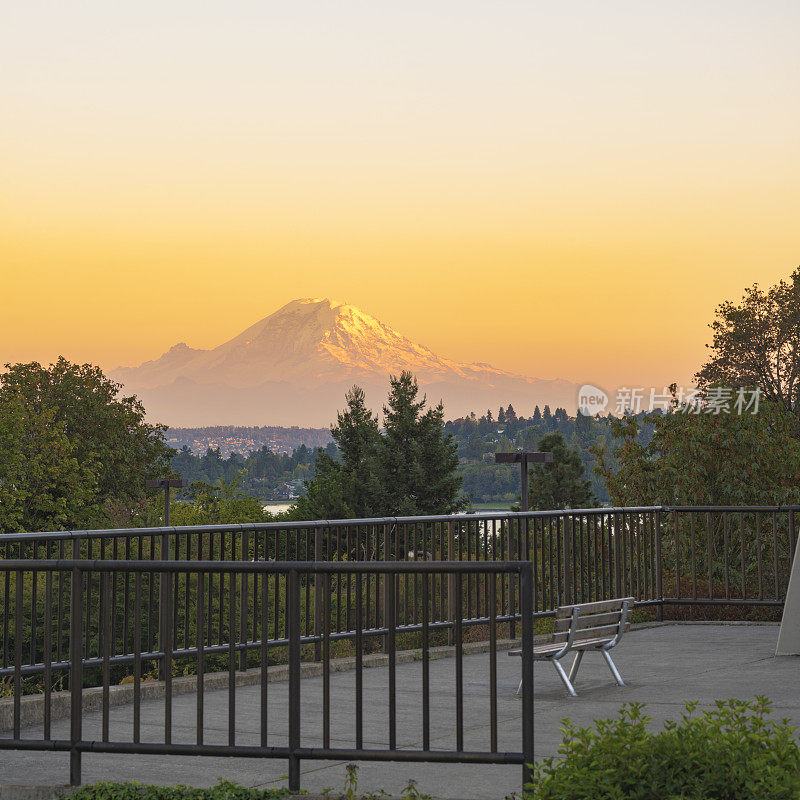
(277, 588)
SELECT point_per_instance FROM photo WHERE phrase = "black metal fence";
(67, 620)
(684, 556)
(215, 598)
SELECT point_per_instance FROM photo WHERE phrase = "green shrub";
(730, 752)
(224, 790)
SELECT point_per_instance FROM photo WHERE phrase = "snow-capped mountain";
(293, 367)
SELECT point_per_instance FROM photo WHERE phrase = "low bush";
(732, 751)
(224, 790)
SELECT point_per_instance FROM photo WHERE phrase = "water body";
(277, 508)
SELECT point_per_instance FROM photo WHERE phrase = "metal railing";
(665, 557)
(108, 605)
(78, 610)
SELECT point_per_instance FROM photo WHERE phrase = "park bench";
(578, 628)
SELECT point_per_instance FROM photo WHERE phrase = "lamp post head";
(167, 483)
(523, 457)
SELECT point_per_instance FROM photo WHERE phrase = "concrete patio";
(664, 667)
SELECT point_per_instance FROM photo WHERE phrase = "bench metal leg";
(564, 679)
(575, 665)
(613, 667)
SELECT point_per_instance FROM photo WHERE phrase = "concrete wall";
(789, 635)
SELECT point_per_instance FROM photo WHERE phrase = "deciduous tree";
(757, 343)
(705, 459)
(76, 411)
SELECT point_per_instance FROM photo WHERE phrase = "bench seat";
(579, 628)
(545, 652)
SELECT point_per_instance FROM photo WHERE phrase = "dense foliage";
(409, 467)
(206, 504)
(704, 459)
(261, 473)
(270, 475)
(730, 752)
(479, 438)
(73, 453)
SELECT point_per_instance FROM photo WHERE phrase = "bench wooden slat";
(548, 650)
(588, 644)
(540, 650)
(609, 631)
(594, 608)
(590, 620)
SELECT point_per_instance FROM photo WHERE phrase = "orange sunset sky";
(559, 189)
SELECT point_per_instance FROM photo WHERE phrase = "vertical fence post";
(513, 555)
(318, 595)
(391, 625)
(526, 609)
(659, 571)
(617, 556)
(164, 615)
(244, 586)
(383, 582)
(452, 600)
(292, 611)
(167, 647)
(76, 675)
(567, 550)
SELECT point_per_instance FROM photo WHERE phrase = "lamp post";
(523, 458)
(166, 484)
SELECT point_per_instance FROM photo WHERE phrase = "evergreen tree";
(347, 488)
(547, 417)
(583, 429)
(356, 435)
(412, 468)
(328, 495)
(417, 461)
(561, 484)
(511, 415)
(537, 416)
(501, 415)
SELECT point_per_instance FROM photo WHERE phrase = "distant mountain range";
(294, 367)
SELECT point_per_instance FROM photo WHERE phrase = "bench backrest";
(600, 620)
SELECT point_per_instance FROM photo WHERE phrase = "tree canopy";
(757, 344)
(705, 459)
(408, 468)
(74, 454)
(563, 482)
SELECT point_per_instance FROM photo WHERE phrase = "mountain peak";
(309, 304)
(306, 348)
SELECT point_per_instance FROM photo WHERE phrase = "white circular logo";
(591, 400)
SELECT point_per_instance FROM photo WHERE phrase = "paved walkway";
(664, 667)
